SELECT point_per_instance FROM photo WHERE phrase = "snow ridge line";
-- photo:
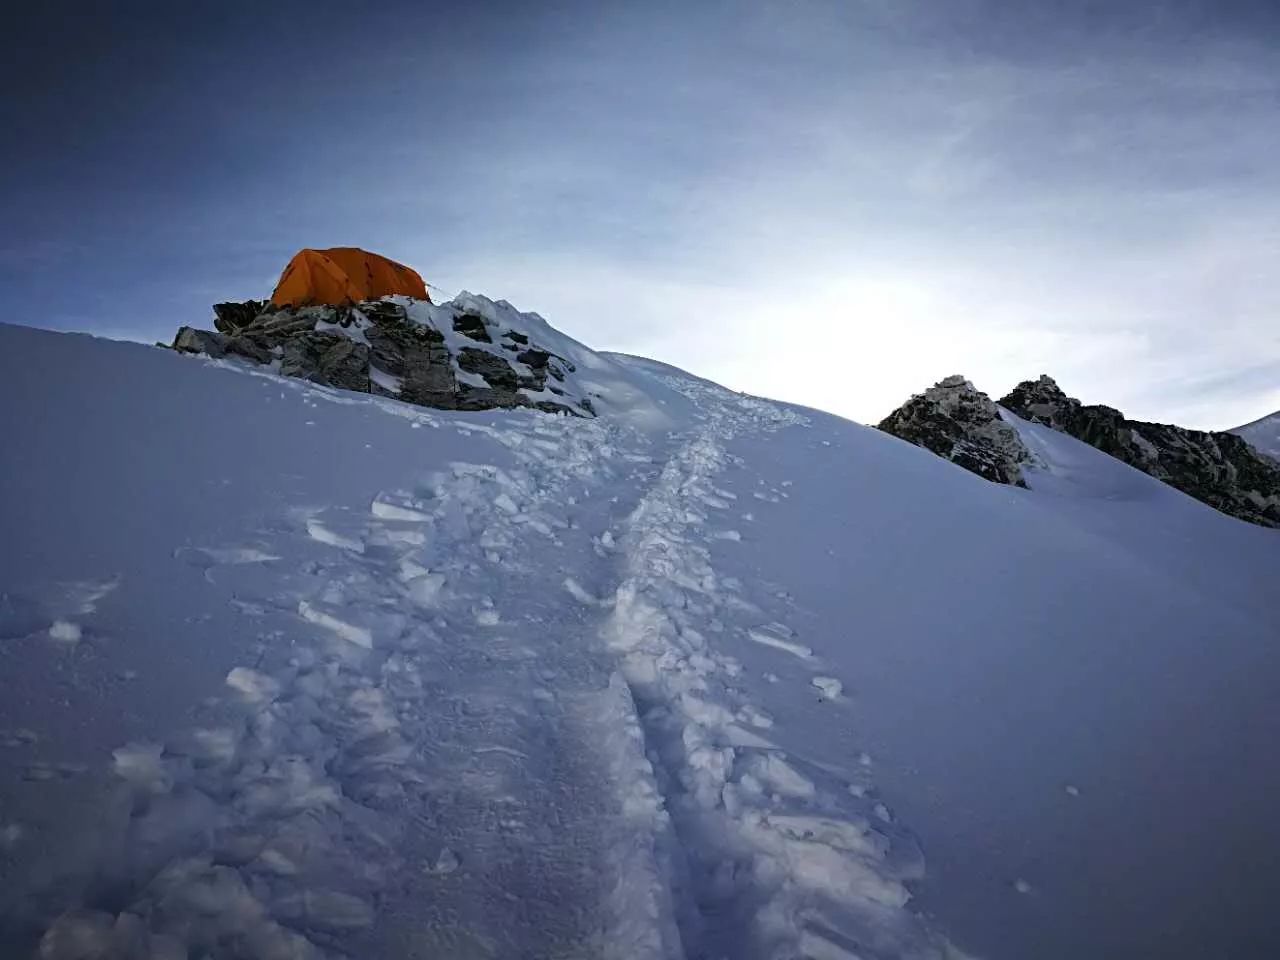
(780, 863)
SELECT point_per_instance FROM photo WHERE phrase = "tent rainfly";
(342, 275)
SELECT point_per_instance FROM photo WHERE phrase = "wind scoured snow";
(1263, 434)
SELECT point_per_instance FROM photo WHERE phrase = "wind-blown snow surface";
(288, 672)
(1264, 434)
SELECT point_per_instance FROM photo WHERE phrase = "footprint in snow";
(22, 737)
(42, 771)
(446, 863)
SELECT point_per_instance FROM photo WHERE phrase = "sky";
(833, 202)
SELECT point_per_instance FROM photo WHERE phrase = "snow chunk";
(350, 632)
(584, 596)
(831, 687)
(319, 532)
(777, 636)
(140, 764)
(64, 631)
(384, 510)
(253, 686)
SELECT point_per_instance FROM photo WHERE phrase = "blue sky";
(835, 203)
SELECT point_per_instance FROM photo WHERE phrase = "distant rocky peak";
(960, 423)
(1219, 469)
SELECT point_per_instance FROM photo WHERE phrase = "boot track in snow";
(513, 729)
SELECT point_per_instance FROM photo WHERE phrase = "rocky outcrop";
(411, 353)
(230, 318)
(326, 358)
(1220, 469)
(472, 325)
(447, 356)
(961, 424)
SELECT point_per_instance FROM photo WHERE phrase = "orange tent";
(344, 275)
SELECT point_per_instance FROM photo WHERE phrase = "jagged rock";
(1219, 469)
(483, 398)
(413, 353)
(275, 328)
(191, 340)
(229, 318)
(376, 347)
(329, 359)
(249, 349)
(537, 359)
(472, 325)
(961, 424)
(496, 371)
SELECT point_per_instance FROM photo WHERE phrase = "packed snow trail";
(419, 772)
(779, 857)
(295, 673)
(490, 713)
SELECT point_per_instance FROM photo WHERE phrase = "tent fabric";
(344, 275)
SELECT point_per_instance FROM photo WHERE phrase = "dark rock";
(481, 398)
(961, 424)
(249, 348)
(231, 317)
(495, 370)
(1219, 469)
(413, 352)
(472, 325)
(191, 340)
(374, 347)
(534, 358)
(550, 406)
(276, 328)
(327, 358)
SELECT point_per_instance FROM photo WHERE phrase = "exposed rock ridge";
(450, 356)
(960, 423)
(1220, 469)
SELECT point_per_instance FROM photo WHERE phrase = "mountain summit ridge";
(960, 423)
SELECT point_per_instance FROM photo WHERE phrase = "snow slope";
(288, 672)
(1264, 434)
